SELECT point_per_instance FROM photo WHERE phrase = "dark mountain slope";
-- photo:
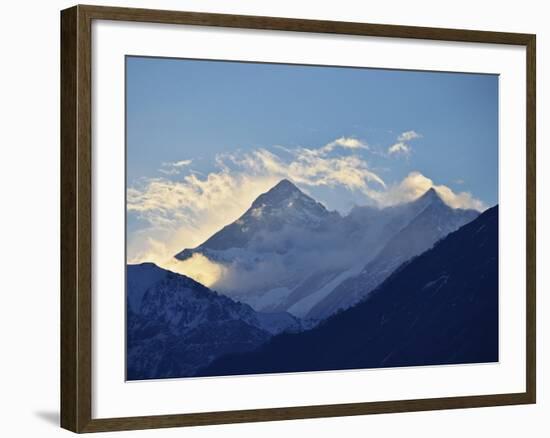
(181, 325)
(139, 278)
(439, 308)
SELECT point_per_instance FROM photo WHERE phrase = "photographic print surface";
(292, 218)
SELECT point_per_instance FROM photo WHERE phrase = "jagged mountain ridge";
(181, 325)
(439, 308)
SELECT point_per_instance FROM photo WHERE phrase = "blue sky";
(192, 123)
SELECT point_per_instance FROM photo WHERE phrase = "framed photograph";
(271, 218)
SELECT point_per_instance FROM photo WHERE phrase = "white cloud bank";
(183, 213)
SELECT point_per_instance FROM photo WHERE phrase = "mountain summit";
(279, 193)
(289, 204)
(283, 206)
(430, 196)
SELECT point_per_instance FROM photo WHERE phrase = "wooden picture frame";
(76, 218)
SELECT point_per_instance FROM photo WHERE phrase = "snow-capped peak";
(284, 205)
(280, 195)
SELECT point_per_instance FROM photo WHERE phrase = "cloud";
(399, 148)
(283, 256)
(408, 136)
(181, 163)
(415, 184)
(346, 143)
(172, 171)
(310, 167)
(186, 212)
(200, 268)
(173, 168)
(402, 146)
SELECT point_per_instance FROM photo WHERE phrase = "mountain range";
(272, 252)
(309, 289)
(439, 308)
